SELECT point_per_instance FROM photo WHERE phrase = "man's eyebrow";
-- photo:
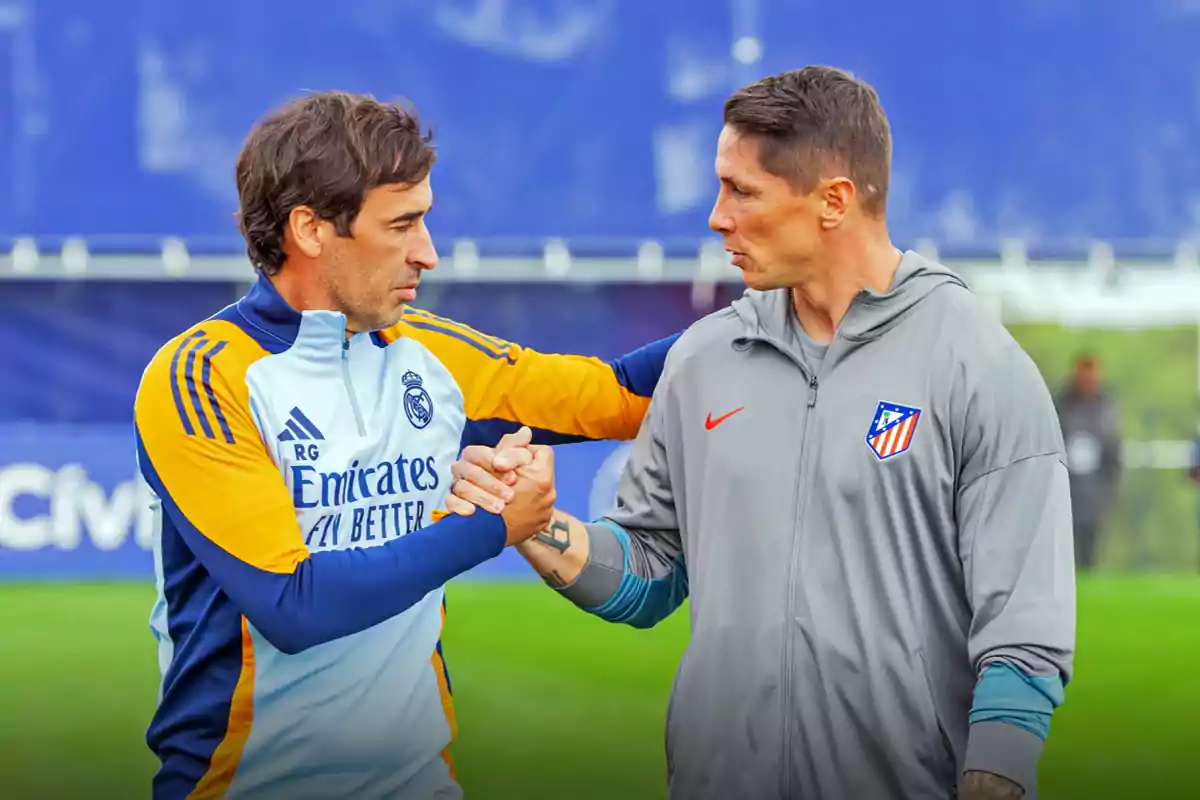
(408, 217)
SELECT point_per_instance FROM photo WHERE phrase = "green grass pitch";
(552, 703)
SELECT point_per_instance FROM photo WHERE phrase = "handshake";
(515, 479)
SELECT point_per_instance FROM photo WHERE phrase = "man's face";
(772, 230)
(375, 271)
(1087, 377)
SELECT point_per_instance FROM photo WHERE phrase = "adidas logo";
(300, 427)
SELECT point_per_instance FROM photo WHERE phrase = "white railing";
(1100, 289)
(168, 256)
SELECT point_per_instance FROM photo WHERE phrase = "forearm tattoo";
(558, 536)
(554, 580)
(986, 786)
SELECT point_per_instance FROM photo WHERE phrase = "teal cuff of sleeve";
(629, 592)
(1005, 694)
(638, 601)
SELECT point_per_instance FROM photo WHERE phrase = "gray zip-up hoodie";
(863, 535)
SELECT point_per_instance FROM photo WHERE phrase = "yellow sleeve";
(561, 397)
(199, 449)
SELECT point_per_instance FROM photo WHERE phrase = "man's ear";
(306, 230)
(837, 194)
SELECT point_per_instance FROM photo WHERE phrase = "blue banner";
(72, 506)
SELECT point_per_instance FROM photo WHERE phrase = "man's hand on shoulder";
(977, 785)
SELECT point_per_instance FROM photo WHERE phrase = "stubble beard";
(363, 311)
(373, 319)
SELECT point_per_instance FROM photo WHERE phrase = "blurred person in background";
(1091, 427)
(297, 444)
(1194, 470)
(857, 476)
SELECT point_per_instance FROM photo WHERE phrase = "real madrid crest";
(418, 405)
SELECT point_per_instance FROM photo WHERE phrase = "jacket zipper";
(788, 635)
(362, 429)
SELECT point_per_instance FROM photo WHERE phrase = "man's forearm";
(559, 553)
(335, 593)
(618, 575)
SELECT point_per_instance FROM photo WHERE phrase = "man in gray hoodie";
(859, 479)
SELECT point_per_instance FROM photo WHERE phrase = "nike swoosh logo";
(710, 423)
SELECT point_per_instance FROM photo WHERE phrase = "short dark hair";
(326, 151)
(815, 118)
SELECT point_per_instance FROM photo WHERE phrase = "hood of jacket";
(765, 314)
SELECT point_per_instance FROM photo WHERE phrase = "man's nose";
(423, 254)
(719, 221)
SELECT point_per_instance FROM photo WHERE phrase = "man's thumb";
(521, 438)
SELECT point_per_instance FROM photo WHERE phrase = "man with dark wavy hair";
(298, 444)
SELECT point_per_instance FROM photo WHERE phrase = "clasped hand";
(514, 479)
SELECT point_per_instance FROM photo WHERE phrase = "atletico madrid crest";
(892, 430)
